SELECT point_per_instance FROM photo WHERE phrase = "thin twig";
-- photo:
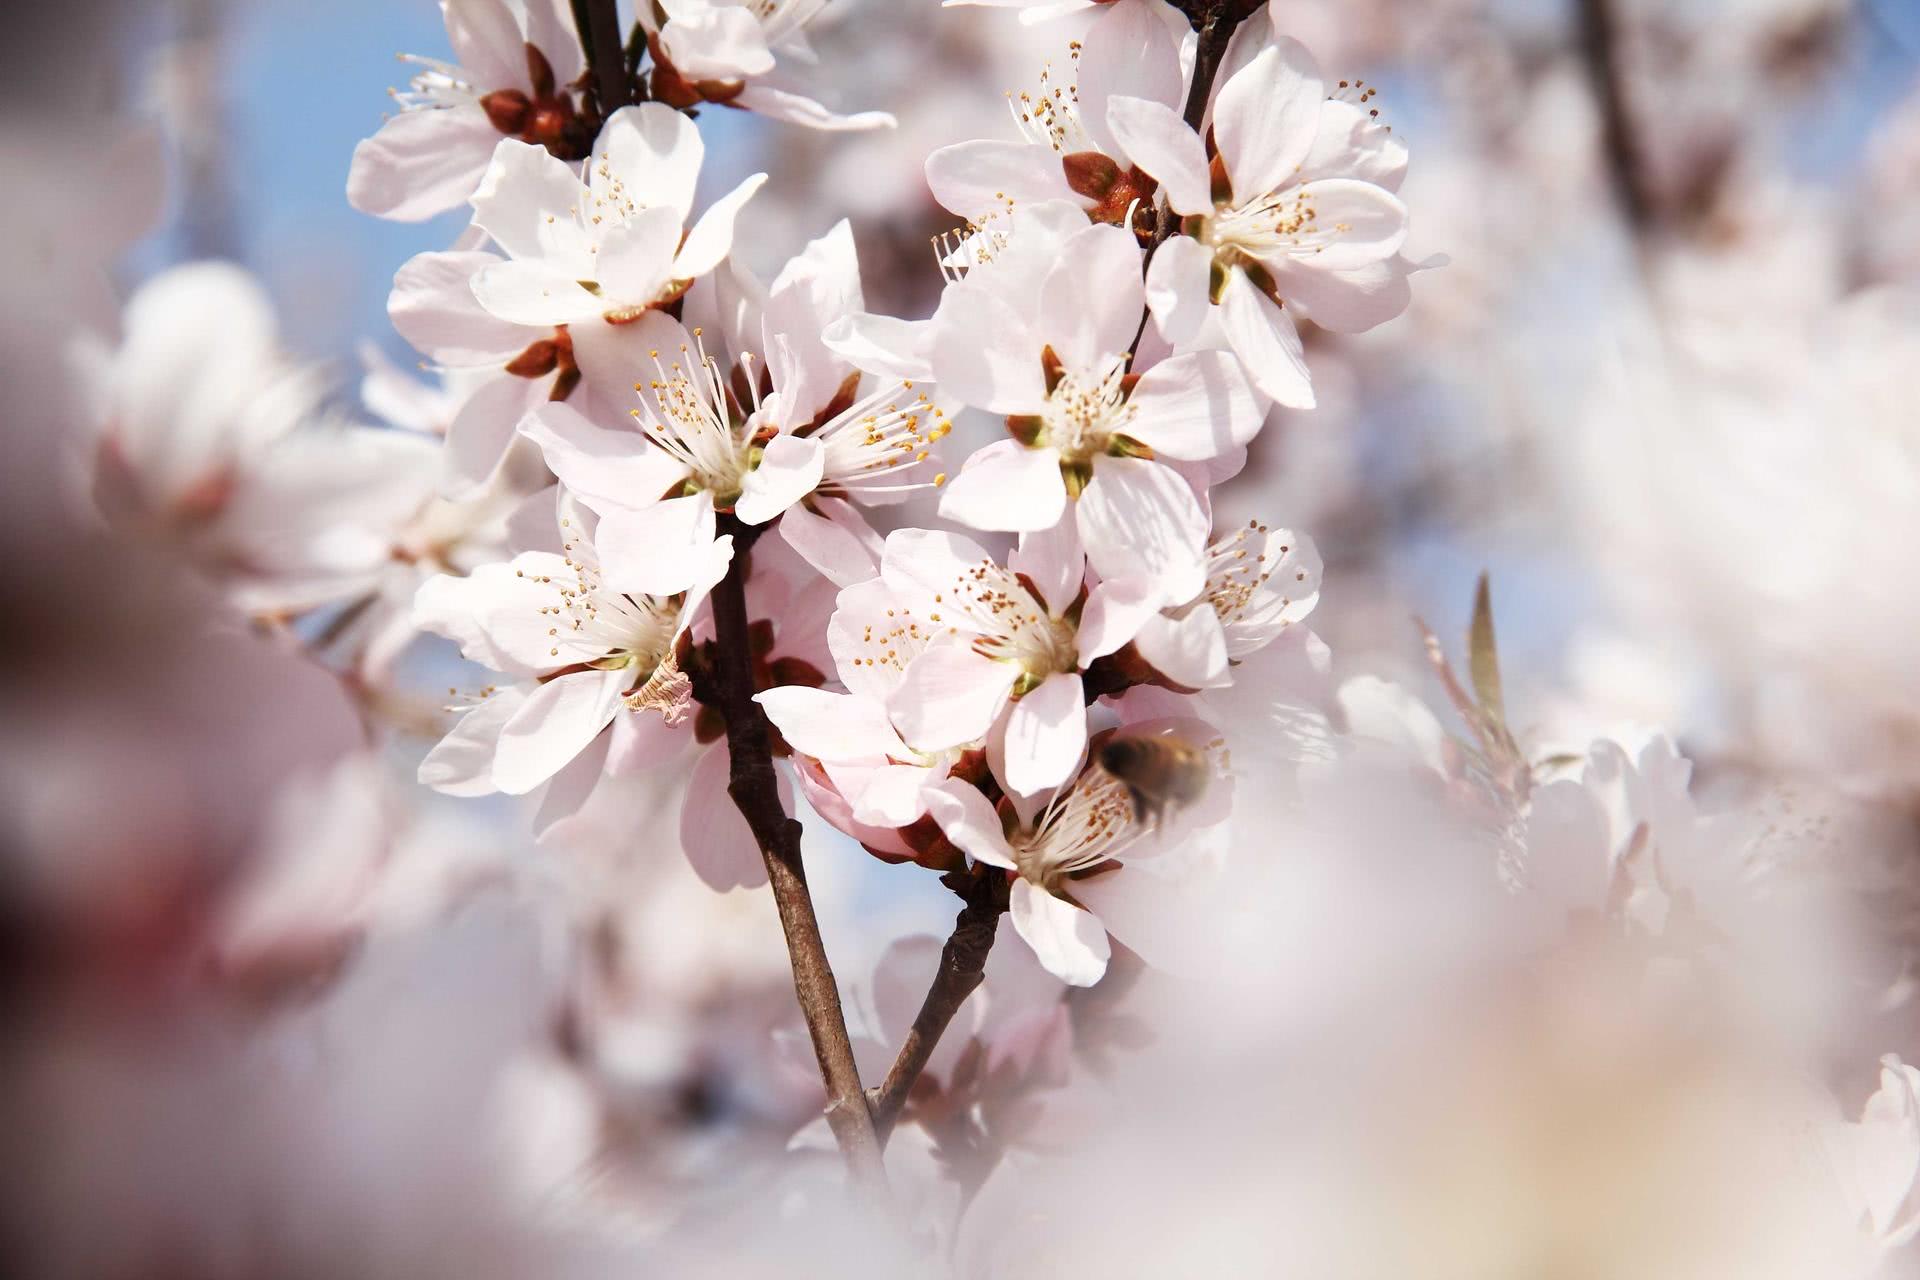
(962, 967)
(755, 791)
(1600, 43)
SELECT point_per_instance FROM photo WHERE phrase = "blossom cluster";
(1121, 295)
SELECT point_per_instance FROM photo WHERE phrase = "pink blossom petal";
(1127, 52)
(569, 790)
(837, 542)
(1052, 559)
(1177, 282)
(715, 837)
(1115, 611)
(984, 354)
(832, 726)
(781, 104)
(433, 307)
(896, 794)
(972, 179)
(660, 549)
(1090, 304)
(1190, 650)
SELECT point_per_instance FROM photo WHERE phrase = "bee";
(1160, 773)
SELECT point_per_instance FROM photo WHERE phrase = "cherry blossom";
(515, 61)
(709, 440)
(611, 247)
(1066, 150)
(723, 52)
(1067, 840)
(1260, 581)
(585, 657)
(870, 781)
(1085, 429)
(1293, 209)
(1007, 641)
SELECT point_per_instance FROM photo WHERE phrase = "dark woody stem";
(1600, 42)
(599, 24)
(755, 791)
(962, 967)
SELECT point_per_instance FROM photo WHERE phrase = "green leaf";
(1483, 658)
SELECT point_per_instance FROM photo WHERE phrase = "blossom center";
(1079, 829)
(1279, 224)
(1085, 410)
(1010, 625)
(690, 416)
(629, 632)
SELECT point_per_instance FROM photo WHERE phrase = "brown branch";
(962, 967)
(598, 22)
(1600, 43)
(755, 791)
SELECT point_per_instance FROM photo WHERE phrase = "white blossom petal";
(1046, 735)
(461, 764)
(789, 470)
(1195, 406)
(555, 724)
(607, 470)
(1157, 139)
(968, 819)
(1007, 487)
(1268, 344)
(1265, 118)
(711, 238)
(949, 697)
(421, 163)
(1070, 942)
(1141, 520)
